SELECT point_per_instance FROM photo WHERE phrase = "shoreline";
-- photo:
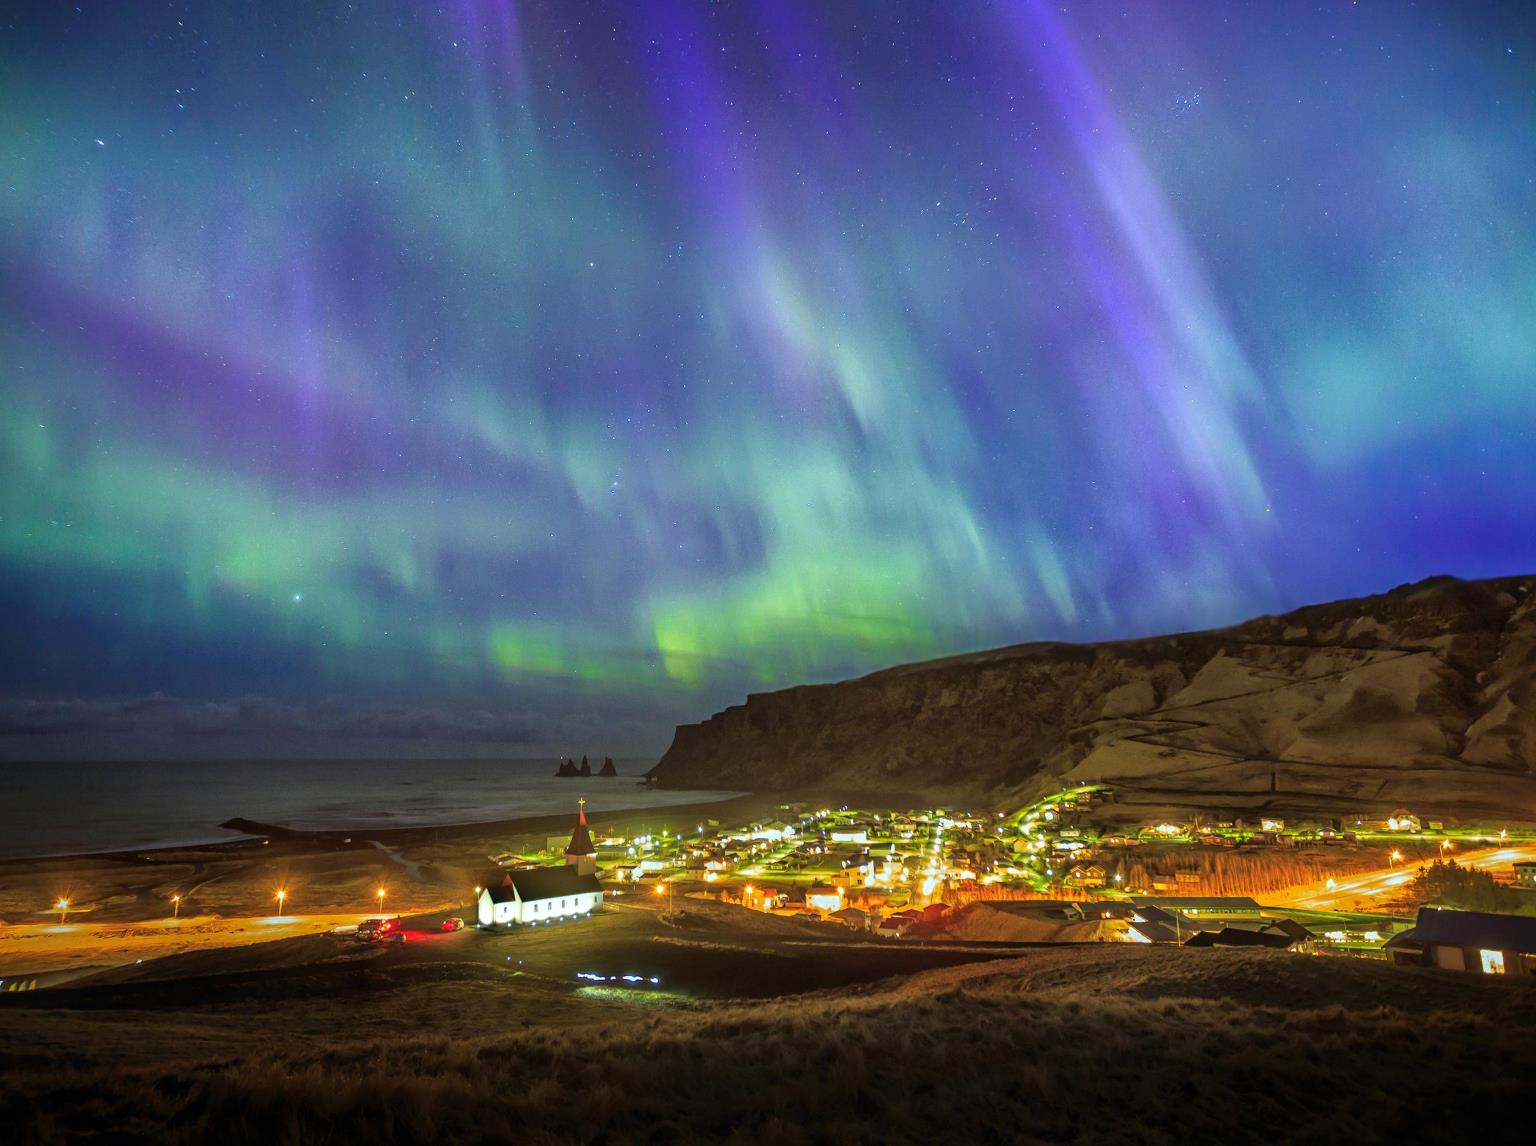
(248, 833)
(544, 823)
(251, 832)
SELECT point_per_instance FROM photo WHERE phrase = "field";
(451, 1038)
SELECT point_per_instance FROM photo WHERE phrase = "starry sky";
(511, 378)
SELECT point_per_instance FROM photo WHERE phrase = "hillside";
(1423, 696)
(1087, 1044)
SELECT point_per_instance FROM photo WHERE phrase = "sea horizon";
(101, 806)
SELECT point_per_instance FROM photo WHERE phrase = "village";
(1077, 867)
(1051, 872)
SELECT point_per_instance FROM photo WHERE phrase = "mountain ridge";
(1422, 695)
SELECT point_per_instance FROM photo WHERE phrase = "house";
(851, 917)
(1271, 824)
(1150, 931)
(1477, 941)
(1090, 875)
(1525, 874)
(822, 897)
(1240, 937)
(850, 834)
(762, 898)
(776, 830)
(935, 912)
(1402, 820)
(1117, 840)
(539, 895)
(1301, 938)
(895, 926)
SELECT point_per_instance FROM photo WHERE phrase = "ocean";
(61, 809)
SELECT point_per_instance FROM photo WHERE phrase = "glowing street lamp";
(380, 894)
(282, 894)
(1331, 884)
(176, 907)
(62, 907)
(1396, 858)
(1445, 845)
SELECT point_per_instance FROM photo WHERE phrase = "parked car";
(380, 931)
(453, 923)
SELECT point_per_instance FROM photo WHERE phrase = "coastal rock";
(1424, 696)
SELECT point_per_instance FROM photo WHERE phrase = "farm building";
(1477, 941)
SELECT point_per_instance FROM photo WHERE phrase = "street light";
(380, 894)
(1396, 858)
(176, 907)
(62, 907)
(281, 895)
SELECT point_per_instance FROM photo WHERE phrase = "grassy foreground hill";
(1424, 697)
(1099, 1043)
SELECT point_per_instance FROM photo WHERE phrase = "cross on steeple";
(580, 846)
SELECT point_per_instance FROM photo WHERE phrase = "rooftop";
(541, 883)
(1198, 902)
(1476, 929)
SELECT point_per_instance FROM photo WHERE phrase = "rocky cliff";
(1423, 696)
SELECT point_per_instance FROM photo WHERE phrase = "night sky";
(526, 378)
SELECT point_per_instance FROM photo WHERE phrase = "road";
(1375, 888)
(36, 948)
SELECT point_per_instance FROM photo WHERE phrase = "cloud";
(262, 721)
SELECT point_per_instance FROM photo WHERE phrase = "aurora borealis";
(529, 377)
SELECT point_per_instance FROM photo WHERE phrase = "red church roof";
(581, 839)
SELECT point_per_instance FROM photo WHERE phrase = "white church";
(544, 894)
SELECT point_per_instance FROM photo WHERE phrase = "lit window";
(1493, 962)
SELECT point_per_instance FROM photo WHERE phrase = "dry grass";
(1074, 1045)
(1245, 871)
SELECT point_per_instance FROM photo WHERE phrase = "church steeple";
(580, 853)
